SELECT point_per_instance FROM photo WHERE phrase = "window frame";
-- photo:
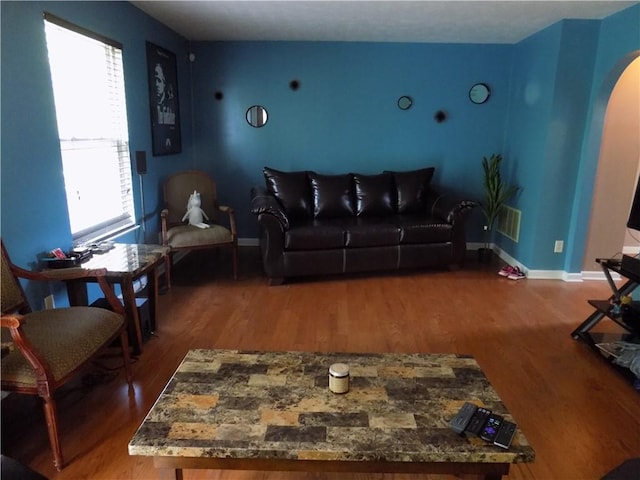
(126, 220)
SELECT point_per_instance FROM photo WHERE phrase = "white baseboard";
(547, 274)
(248, 242)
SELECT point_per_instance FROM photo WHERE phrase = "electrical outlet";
(558, 247)
(49, 302)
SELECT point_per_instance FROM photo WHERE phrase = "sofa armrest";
(263, 202)
(449, 207)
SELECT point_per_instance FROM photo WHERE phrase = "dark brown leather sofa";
(313, 224)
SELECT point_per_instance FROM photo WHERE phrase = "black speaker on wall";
(141, 162)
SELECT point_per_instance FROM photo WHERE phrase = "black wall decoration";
(163, 100)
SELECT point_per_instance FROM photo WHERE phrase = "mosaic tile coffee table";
(274, 411)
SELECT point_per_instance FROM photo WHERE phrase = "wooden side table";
(126, 263)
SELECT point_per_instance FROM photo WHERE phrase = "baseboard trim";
(248, 242)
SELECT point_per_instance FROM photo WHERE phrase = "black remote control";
(490, 429)
(505, 434)
(461, 420)
(478, 420)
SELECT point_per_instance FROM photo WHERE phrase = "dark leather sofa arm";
(449, 207)
(264, 202)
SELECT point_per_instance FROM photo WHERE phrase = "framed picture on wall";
(163, 100)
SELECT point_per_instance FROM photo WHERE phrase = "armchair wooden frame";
(176, 189)
(16, 314)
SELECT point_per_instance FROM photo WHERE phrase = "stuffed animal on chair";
(194, 213)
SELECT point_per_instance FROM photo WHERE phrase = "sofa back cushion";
(292, 190)
(374, 194)
(332, 195)
(411, 189)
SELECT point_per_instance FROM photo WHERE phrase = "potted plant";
(496, 194)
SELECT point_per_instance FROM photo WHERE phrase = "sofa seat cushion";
(370, 232)
(314, 235)
(421, 229)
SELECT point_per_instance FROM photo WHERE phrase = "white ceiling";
(370, 21)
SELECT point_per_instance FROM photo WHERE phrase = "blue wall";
(34, 214)
(552, 82)
(344, 117)
(618, 46)
(544, 115)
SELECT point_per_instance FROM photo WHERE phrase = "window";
(88, 89)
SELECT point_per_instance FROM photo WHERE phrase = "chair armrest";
(449, 207)
(41, 367)
(59, 274)
(76, 273)
(11, 321)
(232, 218)
(262, 202)
(164, 213)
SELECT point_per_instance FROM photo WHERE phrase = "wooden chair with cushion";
(43, 350)
(178, 234)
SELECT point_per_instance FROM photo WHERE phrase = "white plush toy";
(194, 213)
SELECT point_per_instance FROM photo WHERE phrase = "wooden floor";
(581, 417)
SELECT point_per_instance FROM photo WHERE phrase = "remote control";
(478, 420)
(490, 429)
(461, 420)
(505, 434)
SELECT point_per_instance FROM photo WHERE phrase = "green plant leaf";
(496, 192)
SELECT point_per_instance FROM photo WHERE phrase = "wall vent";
(509, 223)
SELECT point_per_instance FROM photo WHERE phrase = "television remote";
(505, 434)
(490, 429)
(463, 417)
(478, 420)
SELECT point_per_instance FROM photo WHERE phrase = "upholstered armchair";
(178, 234)
(43, 350)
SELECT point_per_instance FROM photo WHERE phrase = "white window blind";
(88, 89)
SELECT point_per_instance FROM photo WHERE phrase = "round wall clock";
(479, 93)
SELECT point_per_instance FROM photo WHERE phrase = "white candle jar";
(339, 378)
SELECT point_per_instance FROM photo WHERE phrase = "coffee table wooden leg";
(170, 474)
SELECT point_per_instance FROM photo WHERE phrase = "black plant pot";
(485, 255)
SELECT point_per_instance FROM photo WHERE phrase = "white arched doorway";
(617, 172)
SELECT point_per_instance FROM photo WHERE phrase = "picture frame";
(164, 106)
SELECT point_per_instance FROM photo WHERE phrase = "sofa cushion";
(418, 228)
(332, 195)
(291, 189)
(375, 194)
(370, 231)
(314, 234)
(411, 188)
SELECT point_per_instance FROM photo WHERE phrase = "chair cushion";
(184, 236)
(65, 337)
(291, 189)
(411, 187)
(332, 195)
(375, 194)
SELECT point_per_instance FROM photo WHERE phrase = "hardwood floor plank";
(582, 417)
